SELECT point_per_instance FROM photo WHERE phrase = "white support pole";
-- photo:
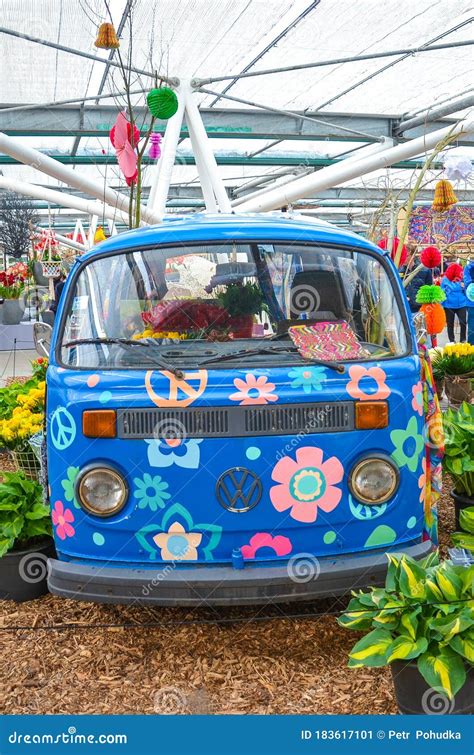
(69, 242)
(361, 154)
(94, 219)
(78, 229)
(204, 177)
(63, 173)
(162, 175)
(61, 198)
(112, 228)
(202, 140)
(334, 175)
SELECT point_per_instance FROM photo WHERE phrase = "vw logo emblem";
(238, 490)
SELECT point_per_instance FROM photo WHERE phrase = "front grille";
(236, 421)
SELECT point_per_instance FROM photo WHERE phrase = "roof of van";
(261, 227)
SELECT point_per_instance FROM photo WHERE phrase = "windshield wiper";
(262, 350)
(127, 343)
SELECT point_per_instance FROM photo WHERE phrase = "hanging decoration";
(47, 244)
(136, 134)
(454, 272)
(430, 257)
(126, 154)
(383, 244)
(162, 103)
(444, 196)
(107, 37)
(155, 146)
(99, 235)
(457, 167)
(430, 298)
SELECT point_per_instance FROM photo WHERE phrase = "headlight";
(101, 491)
(374, 480)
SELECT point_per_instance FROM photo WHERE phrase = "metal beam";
(225, 123)
(431, 115)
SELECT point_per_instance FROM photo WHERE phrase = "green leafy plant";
(424, 612)
(458, 459)
(465, 539)
(241, 299)
(23, 515)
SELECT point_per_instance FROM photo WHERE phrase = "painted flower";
(373, 386)
(308, 378)
(166, 452)
(422, 480)
(69, 485)
(151, 492)
(307, 484)
(279, 544)
(62, 520)
(408, 445)
(417, 400)
(253, 390)
(177, 544)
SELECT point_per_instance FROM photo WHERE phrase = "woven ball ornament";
(162, 103)
(430, 295)
(430, 256)
(454, 272)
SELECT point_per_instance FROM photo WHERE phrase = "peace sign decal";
(181, 391)
(62, 428)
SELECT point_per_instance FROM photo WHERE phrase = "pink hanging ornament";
(126, 155)
(155, 146)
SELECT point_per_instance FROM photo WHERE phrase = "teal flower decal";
(177, 537)
(151, 492)
(68, 485)
(408, 445)
(308, 378)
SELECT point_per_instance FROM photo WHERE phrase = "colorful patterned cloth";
(327, 340)
(434, 445)
(453, 226)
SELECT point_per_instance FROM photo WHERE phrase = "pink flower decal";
(422, 481)
(417, 400)
(306, 484)
(62, 519)
(279, 544)
(253, 390)
(358, 373)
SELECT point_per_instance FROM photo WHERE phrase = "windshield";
(194, 304)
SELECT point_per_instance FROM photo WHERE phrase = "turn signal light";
(99, 423)
(371, 415)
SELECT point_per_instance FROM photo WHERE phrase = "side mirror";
(42, 338)
(420, 328)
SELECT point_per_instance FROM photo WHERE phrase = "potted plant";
(465, 538)
(458, 365)
(241, 301)
(421, 624)
(22, 411)
(458, 461)
(11, 289)
(25, 538)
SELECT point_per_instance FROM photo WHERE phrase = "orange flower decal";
(368, 376)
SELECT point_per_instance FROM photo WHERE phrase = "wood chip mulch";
(282, 665)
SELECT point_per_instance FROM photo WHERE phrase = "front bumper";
(168, 585)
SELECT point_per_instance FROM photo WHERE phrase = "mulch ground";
(246, 665)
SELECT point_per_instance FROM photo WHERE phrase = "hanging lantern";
(99, 235)
(454, 272)
(430, 298)
(136, 135)
(126, 154)
(430, 257)
(383, 244)
(162, 103)
(457, 167)
(155, 146)
(107, 37)
(444, 196)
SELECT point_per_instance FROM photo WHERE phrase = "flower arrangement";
(25, 418)
(12, 283)
(166, 335)
(188, 316)
(39, 367)
(241, 299)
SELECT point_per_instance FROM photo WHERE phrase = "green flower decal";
(68, 486)
(178, 521)
(408, 445)
(151, 492)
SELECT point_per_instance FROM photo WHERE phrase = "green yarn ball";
(430, 295)
(162, 103)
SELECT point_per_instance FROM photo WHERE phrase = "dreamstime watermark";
(304, 299)
(435, 702)
(33, 568)
(317, 421)
(172, 701)
(70, 736)
(303, 568)
(170, 430)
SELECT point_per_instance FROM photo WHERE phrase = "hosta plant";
(465, 539)
(425, 613)
(24, 518)
(459, 447)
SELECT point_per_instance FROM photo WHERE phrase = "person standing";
(469, 291)
(455, 302)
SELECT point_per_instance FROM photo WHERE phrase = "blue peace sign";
(62, 428)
